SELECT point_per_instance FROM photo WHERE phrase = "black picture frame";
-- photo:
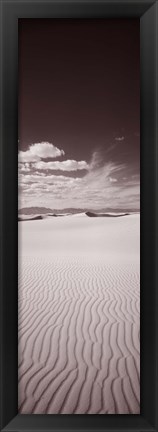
(11, 11)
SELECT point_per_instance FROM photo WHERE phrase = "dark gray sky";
(79, 88)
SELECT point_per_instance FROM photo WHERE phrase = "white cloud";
(96, 160)
(100, 187)
(38, 151)
(68, 165)
(112, 179)
(42, 178)
(24, 167)
(120, 138)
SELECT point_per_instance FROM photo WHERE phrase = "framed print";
(79, 212)
(79, 216)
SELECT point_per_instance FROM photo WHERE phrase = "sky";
(79, 113)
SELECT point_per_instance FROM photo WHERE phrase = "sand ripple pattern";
(78, 337)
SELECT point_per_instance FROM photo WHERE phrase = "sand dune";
(92, 214)
(26, 217)
(29, 218)
(79, 316)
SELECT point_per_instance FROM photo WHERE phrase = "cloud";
(39, 151)
(24, 167)
(67, 165)
(42, 178)
(120, 138)
(96, 160)
(102, 186)
(112, 179)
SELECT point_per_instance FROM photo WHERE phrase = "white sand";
(79, 315)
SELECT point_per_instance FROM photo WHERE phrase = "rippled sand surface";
(79, 317)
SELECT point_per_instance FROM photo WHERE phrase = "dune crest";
(92, 214)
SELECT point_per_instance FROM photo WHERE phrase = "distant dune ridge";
(79, 315)
(28, 216)
(44, 210)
